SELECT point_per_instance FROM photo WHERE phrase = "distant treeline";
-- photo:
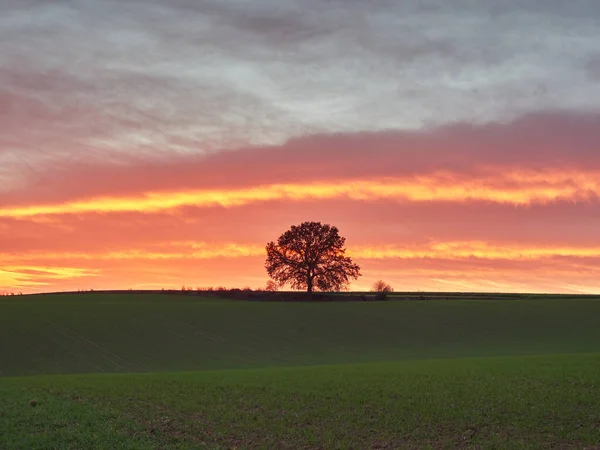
(263, 295)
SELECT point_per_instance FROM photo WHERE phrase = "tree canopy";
(311, 256)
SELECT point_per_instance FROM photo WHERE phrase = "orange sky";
(479, 221)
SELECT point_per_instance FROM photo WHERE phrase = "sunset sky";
(150, 144)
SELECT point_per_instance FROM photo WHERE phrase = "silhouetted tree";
(382, 289)
(311, 256)
(382, 286)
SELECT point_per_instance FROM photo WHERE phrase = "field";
(206, 373)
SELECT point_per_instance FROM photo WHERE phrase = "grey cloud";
(196, 76)
(542, 143)
(593, 67)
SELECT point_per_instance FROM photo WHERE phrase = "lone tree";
(311, 256)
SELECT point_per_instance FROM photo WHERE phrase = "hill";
(199, 372)
(93, 333)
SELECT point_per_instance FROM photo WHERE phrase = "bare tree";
(382, 286)
(311, 256)
(382, 289)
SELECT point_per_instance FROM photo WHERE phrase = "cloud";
(439, 187)
(375, 223)
(443, 251)
(193, 77)
(537, 158)
(129, 125)
(20, 277)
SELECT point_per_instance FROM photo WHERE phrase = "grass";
(221, 374)
(518, 402)
(92, 333)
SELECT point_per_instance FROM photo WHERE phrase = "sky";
(152, 144)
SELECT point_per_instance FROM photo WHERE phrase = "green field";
(516, 373)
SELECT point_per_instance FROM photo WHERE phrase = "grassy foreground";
(201, 373)
(519, 402)
(94, 333)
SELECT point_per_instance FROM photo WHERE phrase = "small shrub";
(382, 289)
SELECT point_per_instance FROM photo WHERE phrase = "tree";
(311, 256)
(382, 286)
(382, 289)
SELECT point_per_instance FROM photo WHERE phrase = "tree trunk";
(309, 284)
